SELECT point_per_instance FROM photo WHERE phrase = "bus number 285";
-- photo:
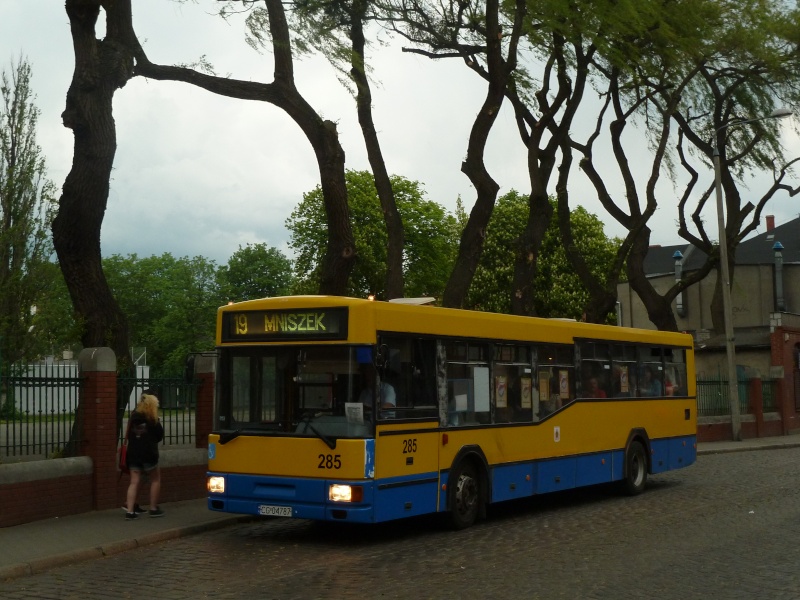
(330, 461)
(410, 446)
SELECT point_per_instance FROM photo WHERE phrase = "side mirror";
(381, 356)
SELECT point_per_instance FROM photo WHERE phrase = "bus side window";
(410, 368)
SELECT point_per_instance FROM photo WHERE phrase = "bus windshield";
(322, 391)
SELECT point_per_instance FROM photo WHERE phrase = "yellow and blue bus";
(352, 410)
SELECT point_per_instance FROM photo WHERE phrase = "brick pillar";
(205, 371)
(757, 404)
(99, 405)
(782, 350)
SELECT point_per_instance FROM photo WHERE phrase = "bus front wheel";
(635, 469)
(465, 490)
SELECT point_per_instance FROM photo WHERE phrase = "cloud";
(199, 174)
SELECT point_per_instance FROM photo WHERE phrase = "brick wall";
(45, 489)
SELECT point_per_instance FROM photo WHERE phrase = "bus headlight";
(216, 484)
(345, 493)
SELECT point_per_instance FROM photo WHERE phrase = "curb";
(40, 565)
(746, 448)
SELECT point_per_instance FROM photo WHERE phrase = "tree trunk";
(340, 252)
(541, 160)
(527, 259)
(474, 234)
(101, 67)
(394, 225)
(602, 293)
(659, 308)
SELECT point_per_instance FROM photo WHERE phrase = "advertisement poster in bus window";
(544, 384)
(563, 385)
(525, 392)
(500, 387)
(623, 379)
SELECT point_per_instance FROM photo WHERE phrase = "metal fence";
(177, 401)
(37, 410)
(38, 404)
(713, 398)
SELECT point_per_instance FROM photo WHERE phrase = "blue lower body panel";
(673, 453)
(385, 500)
(307, 498)
(399, 497)
(555, 474)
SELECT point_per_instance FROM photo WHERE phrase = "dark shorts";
(146, 466)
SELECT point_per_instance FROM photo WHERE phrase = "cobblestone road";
(728, 527)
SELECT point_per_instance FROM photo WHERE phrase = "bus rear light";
(345, 493)
(216, 485)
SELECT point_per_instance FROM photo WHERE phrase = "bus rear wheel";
(635, 469)
(465, 490)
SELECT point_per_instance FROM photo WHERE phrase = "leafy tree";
(55, 326)
(430, 234)
(559, 292)
(255, 271)
(709, 66)
(26, 204)
(171, 305)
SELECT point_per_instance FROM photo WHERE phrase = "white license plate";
(274, 511)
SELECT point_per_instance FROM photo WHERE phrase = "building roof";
(757, 250)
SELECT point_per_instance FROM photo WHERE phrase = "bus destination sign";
(285, 325)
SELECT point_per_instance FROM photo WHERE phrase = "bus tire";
(465, 495)
(635, 478)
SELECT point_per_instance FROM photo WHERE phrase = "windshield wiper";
(307, 420)
(227, 436)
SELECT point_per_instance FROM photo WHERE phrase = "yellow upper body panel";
(366, 318)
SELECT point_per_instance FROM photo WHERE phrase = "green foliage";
(255, 271)
(431, 236)
(55, 327)
(26, 211)
(559, 290)
(170, 303)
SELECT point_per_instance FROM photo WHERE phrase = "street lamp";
(730, 347)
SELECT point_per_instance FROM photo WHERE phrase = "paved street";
(728, 527)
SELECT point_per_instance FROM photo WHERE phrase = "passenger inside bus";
(371, 382)
(650, 384)
(592, 389)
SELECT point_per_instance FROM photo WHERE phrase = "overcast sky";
(199, 174)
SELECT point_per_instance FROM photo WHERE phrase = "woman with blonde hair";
(144, 434)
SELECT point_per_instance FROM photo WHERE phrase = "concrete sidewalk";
(36, 547)
(41, 545)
